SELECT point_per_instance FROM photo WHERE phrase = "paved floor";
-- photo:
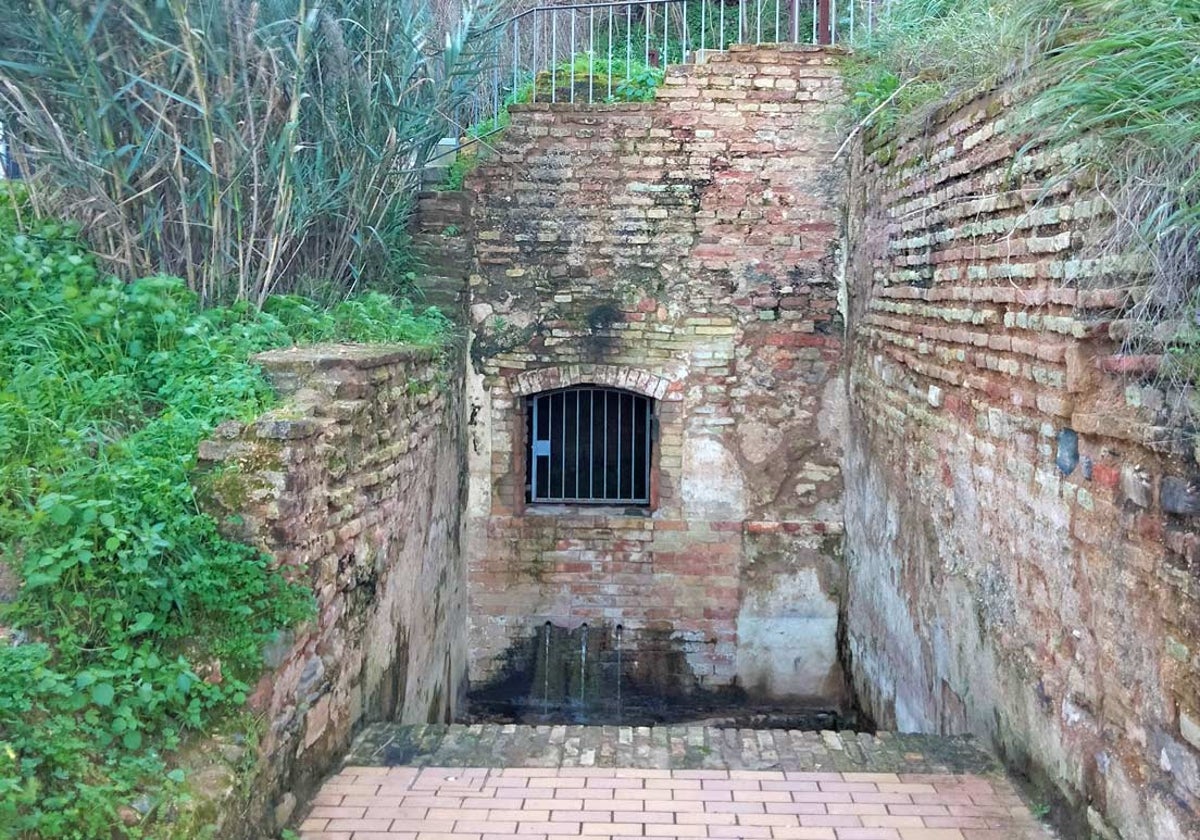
(497, 783)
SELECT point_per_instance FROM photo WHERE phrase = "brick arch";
(614, 376)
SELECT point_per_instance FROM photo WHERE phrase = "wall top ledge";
(333, 356)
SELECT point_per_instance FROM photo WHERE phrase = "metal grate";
(589, 445)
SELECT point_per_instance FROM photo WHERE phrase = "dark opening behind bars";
(589, 445)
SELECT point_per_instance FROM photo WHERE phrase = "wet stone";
(1180, 496)
(1068, 451)
(684, 747)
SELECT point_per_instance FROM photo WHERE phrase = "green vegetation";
(1116, 77)
(137, 621)
(247, 147)
(457, 172)
(1124, 81)
(923, 52)
(602, 81)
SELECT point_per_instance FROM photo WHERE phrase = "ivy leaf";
(176, 775)
(103, 694)
(142, 623)
(132, 740)
(60, 514)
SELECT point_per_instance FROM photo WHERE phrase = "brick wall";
(684, 248)
(1021, 523)
(354, 484)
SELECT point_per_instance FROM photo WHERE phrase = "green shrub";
(139, 620)
(457, 172)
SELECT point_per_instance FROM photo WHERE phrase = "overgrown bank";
(134, 622)
(1115, 81)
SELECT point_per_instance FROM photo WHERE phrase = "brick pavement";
(461, 802)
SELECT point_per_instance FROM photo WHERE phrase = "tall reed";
(249, 146)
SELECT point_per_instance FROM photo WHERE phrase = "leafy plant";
(138, 620)
(457, 172)
(245, 146)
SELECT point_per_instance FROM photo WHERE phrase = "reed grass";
(249, 147)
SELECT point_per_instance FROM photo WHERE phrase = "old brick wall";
(356, 485)
(1022, 547)
(686, 249)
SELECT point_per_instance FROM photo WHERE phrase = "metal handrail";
(572, 42)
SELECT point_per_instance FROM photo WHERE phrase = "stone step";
(687, 747)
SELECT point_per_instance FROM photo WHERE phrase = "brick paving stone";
(434, 782)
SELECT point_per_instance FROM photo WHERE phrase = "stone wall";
(355, 485)
(685, 249)
(1022, 542)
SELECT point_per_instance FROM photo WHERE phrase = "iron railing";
(617, 49)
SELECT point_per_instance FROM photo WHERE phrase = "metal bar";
(604, 494)
(554, 56)
(591, 442)
(562, 460)
(683, 48)
(851, 23)
(533, 460)
(633, 409)
(703, 20)
(572, 56)
(534, 46)
(619, 398)
(777, 21)
(648, 24)
(579, 396)
(833, 21)
(591, 56)
(758, 21)
(646, 451)
(816, 17)
(516, 54)
(600, 4)
(741, 21)
(666, 32)
(609, 68)
(795, 21)
(721, 41)
(628, 40)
